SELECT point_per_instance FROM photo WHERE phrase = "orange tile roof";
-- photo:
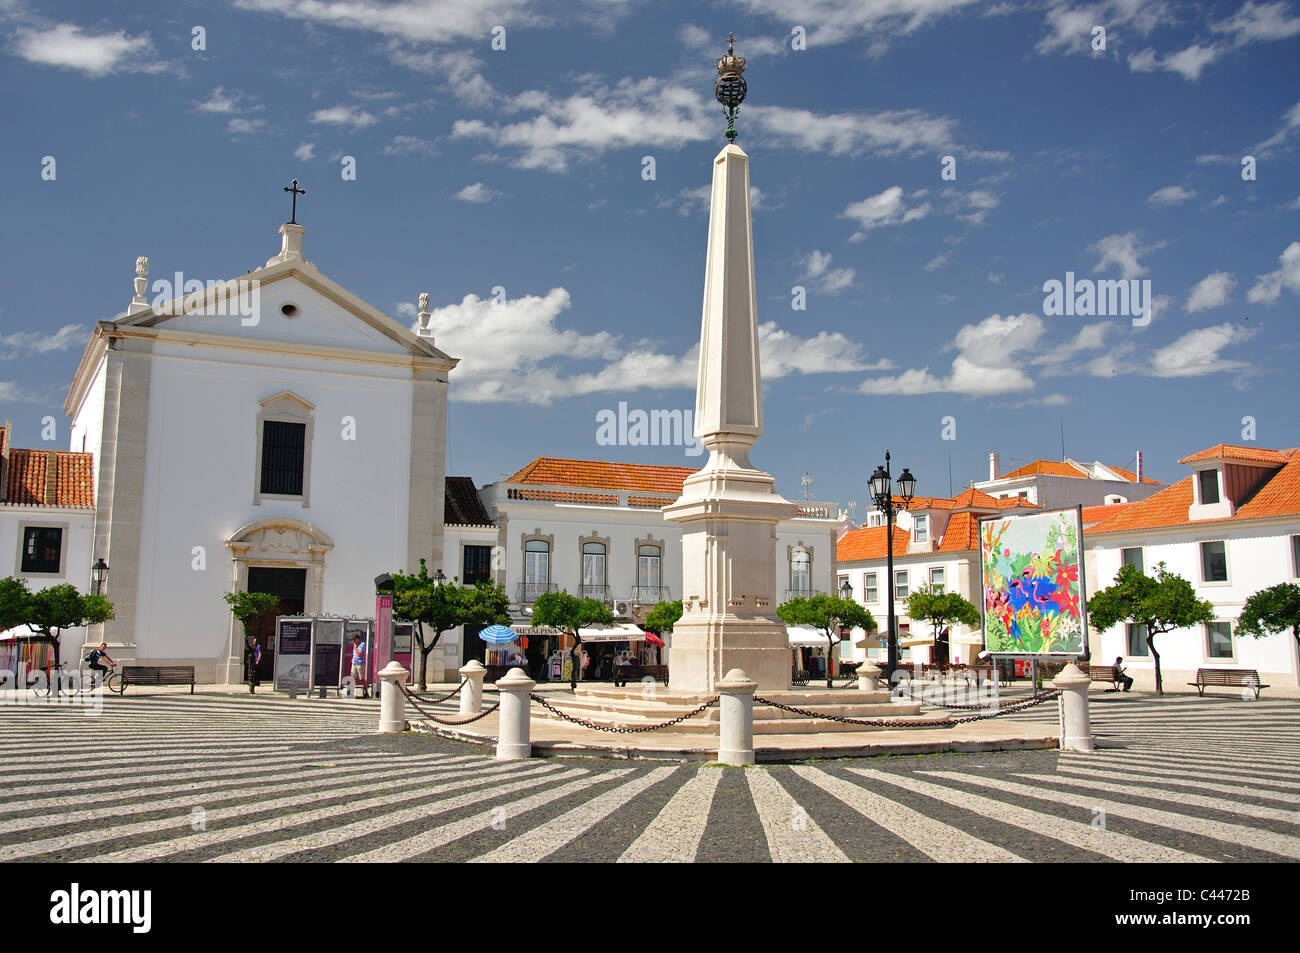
(557, 471)
(869, 543)
(1229, 451)
(1280, 496)
(963, 532)
(1132, 477)
(1044, 467)
(924, 503)
(27, 477)
(1168, 507)
(974, 497)
(74, 478)
(1012, 502)
(1095, 514)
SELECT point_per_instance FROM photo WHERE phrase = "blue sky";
(523, 169)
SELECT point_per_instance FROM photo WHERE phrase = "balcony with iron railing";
(651, 595)
(803, 593)
(595, 592)
(529, 591)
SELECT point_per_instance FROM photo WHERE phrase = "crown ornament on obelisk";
(730, 88)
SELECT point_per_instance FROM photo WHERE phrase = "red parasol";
(654, 639)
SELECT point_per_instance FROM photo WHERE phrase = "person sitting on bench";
(1118, 676)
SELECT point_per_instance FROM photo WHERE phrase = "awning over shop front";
(618, 632)
(805, 636)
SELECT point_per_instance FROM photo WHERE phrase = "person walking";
(252, 659)
(359, 665)
(1118, 676)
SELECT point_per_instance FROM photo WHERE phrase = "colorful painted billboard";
(1033, 593)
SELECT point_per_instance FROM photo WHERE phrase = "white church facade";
(273, 433)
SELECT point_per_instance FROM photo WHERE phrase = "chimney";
(995, 463)
(1139, 467)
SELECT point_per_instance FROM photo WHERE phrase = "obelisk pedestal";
(729, 510)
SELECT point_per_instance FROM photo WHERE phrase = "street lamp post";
(881, 488)
(99, 573)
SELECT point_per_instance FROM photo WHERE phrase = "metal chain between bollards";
(900, 723)
(442, 698)
(621, 731)
(445, 721)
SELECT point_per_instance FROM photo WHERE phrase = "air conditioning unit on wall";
(623, 610)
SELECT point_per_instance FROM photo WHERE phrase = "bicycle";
(43, 681)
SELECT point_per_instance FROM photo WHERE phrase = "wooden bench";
(158, 675)
(1101, 673)
(635, 673)
(1227, 678)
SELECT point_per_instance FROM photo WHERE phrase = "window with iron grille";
(283, 445)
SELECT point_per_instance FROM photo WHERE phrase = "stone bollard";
(471, 696)
(736, 720)
(868, 676)
(392, 700)
(1076, 732)
(514, 737)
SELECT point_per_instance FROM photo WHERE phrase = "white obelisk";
(729, 510)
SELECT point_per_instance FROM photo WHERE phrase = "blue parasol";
(498, 634)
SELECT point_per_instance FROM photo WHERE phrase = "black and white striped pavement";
(215, 777)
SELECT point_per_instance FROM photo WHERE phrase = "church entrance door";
(291, 586)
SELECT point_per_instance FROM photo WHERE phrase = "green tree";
(436, 608)
(940, 609)
(1162, 603)
(1271, 610)
(569, 614)
(251, 607)
(663, 617)
(50, 611)
(828, 613)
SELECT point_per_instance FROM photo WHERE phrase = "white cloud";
(1260, 22)
(1122, 251)
(883, 209)
(689, 201)
(1186, 63)
(1070, 27)
(1197, 352)
(411, 146)
(221, 102)
(305, 152)
(477, 194)
(244, 127)
(818, 273)
(985, 362)
(349, 116)
(420, 21)
(645, 113)
(67, 46)
(1170, 195)
(517, 352)
(1268, 287)
(1212, 291)
(1290, 122)
(19, 343)
(832, 21)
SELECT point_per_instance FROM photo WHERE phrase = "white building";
(1056, 484)
(47, 520)
(594, 528)
(1231, 528)
(273, 433)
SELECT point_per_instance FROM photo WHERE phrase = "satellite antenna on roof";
(807, 482)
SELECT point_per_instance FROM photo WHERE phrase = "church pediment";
(279, 538)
